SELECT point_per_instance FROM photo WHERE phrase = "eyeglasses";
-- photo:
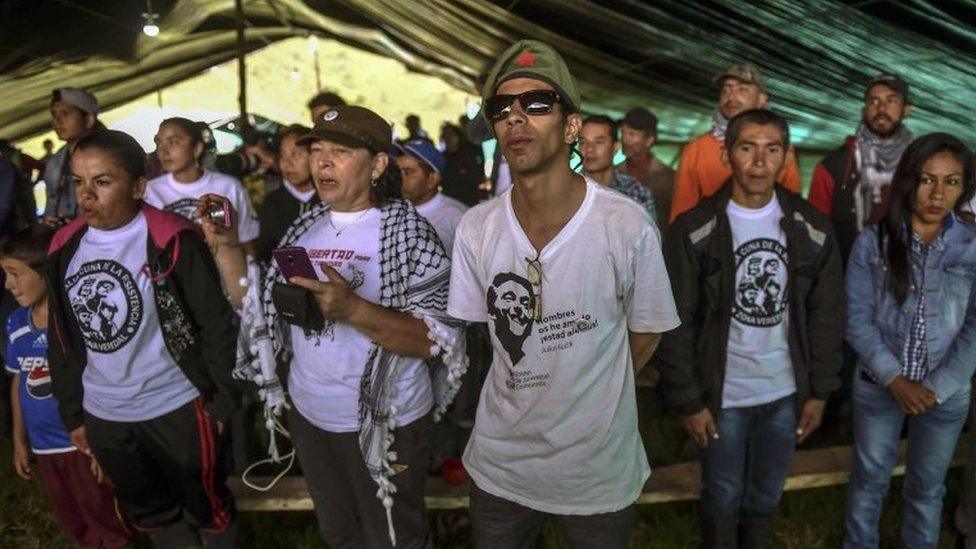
(533, 102)
(535, 280)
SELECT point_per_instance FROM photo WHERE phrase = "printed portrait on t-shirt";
(107, 304)
(510, 307)
(760, 280)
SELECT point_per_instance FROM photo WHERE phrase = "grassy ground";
(807, 519)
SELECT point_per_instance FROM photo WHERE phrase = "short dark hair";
(188, 126)
(388, 187)
(29, 245)
(295, 130)
(329, 99)
(605, 120)
(120, 146)
(760, 117)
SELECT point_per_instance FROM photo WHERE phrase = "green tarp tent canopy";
(816, 54)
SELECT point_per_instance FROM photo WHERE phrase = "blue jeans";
(744, 470)
(932, 440)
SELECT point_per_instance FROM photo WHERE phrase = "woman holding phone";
(363, 386)
(912, 320)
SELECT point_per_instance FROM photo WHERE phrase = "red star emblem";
(525, 59)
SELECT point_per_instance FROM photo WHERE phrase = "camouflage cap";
(745, 72)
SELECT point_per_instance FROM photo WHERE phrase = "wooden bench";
(679, 482)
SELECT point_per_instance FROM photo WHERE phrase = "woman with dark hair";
(364, 382)
(912, 321)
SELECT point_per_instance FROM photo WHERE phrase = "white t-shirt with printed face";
(328, 366)
(166, 193)
(556, 427)
(130, 375)
(758, 367)
(444, 213)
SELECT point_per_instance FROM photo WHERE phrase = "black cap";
(352, 126)
(641, 119)
(890, 80)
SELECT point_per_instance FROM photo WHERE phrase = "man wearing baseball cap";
(851, 183)
(701, 171)
(421, 166)
(74, 113)
(638, 133)
(570, 278)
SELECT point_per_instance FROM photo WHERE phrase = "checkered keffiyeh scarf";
(414, 276)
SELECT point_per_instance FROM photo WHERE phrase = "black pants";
(503, 524)
(166, 470)
(349, 514)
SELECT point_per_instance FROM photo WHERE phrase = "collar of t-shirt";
(189, 188)
(341, 220)
(301, 196)
(431, 205)
(564, 234)
(740, 211)
(126, 232)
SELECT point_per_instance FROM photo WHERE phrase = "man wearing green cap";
(570, 278)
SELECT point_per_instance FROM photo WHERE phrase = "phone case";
(297, 306)
(293, 262)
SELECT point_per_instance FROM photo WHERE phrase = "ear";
(908, 111)
(433, 180)
(89, 121)
(574, 123)
(726, 160)
(763, 100)
(197, 151)
(139, 189)
(380, 162)
(651, 139)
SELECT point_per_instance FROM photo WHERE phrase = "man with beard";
(638, 133)
(700, 171)
(851, 184)
(556, 431)
(598, 144)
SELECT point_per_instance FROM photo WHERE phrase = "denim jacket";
(877, 327)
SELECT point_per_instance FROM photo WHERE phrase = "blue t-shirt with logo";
(26, 354)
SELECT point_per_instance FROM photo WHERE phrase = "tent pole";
(241, 67)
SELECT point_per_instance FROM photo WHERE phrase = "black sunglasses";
(533, 102)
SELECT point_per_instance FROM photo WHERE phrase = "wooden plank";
(679, 482)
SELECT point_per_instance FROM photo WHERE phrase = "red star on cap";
(525, 59)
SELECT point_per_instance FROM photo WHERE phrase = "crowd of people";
(415, 308)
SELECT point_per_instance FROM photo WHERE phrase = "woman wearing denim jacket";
(912, 321)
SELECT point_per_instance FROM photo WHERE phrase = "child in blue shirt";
(82, 502)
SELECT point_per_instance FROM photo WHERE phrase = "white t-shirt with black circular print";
(130, 375)
(758, 367)
(166, 193)
(556, 427)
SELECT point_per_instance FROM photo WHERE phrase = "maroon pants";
(84, 510)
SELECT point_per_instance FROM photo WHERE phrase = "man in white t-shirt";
(758, 282)
(421, 166)
(570, 278)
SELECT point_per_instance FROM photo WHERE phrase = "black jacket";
(276, 214)
(699, 257)
(199, 327)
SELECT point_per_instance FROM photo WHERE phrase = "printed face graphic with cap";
(738, 96)
(532, 143)
(884, 110)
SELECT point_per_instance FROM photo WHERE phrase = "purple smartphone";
(294, 261)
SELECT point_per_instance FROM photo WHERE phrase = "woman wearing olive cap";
(363, 387)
